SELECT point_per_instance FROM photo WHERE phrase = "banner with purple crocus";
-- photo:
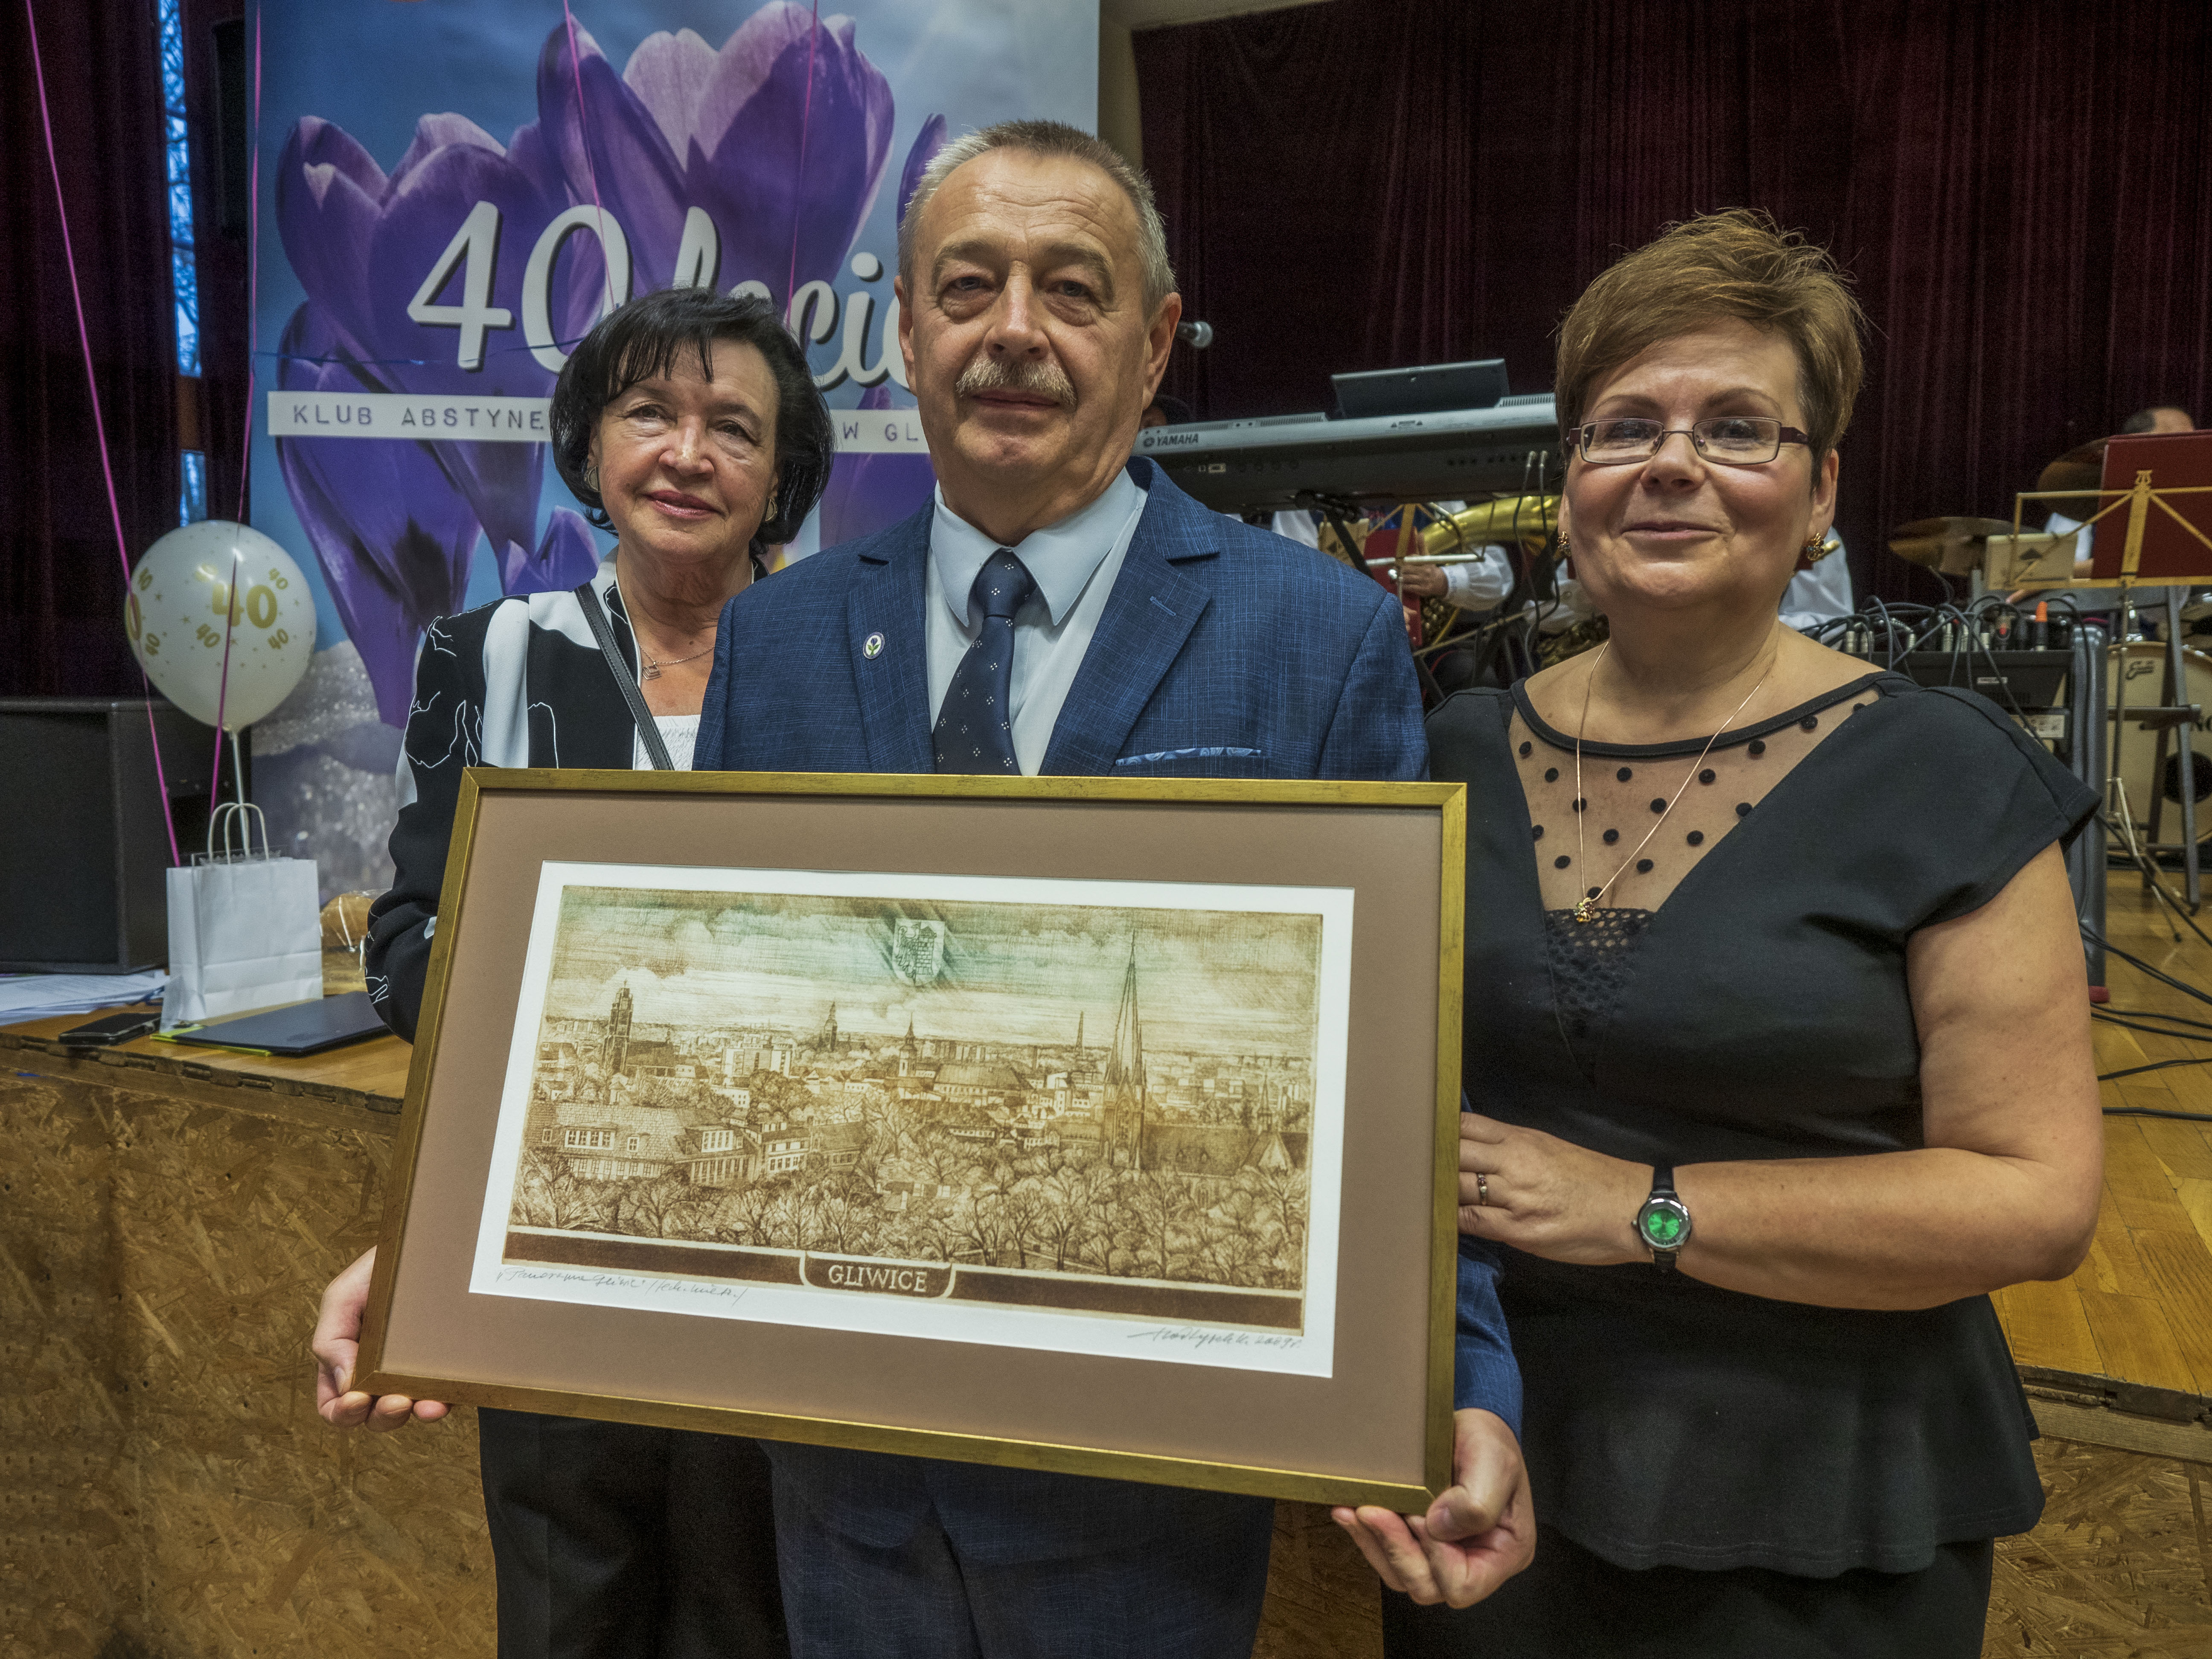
(459, 189)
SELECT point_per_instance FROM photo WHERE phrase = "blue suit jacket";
(1223, 652)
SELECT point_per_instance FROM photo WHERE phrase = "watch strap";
(1665, 1259)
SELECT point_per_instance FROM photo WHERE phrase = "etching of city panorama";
(1105, 1111)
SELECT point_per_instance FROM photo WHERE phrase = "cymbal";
(2079, 468)
(1950, 544)
(1954, 528)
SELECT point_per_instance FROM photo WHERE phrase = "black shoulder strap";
(604, 632)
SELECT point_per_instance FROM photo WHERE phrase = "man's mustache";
(1039, 379)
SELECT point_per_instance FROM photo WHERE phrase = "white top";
(679, 732)
(1479, 583)
(1074, 563)
(2084, 544)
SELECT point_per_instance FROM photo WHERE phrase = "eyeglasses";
(1730, 439)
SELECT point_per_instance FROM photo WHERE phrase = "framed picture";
(1097, 1125)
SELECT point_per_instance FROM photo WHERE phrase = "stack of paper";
(42, 996)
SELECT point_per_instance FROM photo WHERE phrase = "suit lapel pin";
(873, 646)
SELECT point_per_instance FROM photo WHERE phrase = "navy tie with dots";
(976, 727)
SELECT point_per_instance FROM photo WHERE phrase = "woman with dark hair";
(688, 423)
(1777, 1034)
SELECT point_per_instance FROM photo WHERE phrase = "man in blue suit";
(1060, 608)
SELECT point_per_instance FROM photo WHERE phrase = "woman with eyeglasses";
(1777, 1034)
(687, 423)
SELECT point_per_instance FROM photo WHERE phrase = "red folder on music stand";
(2166, 539)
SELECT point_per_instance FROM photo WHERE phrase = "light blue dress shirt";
(1074, 563)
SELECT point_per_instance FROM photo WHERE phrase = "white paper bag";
(245, 933)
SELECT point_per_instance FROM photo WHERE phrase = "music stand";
(2164, 482)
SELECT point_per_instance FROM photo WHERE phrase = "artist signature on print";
(601, 1281)
(1211, 1339)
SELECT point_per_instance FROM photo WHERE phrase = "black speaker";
(81, 883)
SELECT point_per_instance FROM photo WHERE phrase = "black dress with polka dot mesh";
(1740, 992)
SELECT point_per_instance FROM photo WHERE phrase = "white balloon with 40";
(220, 617)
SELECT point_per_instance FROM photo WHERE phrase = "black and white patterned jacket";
(519, 682)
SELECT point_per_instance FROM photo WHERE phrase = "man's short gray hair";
(1049, 139)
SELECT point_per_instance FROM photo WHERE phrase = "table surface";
(371, 1074)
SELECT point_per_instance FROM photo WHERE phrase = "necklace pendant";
(1583, 911)
(652, 672)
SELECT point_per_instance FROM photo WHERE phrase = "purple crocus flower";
(926, 144)
(362, 244)
(392, 534)
(394, 524)
(780, 138)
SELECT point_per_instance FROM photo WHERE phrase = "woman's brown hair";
(1735, 264)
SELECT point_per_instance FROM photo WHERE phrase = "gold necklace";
(652, 666)
(1582, 802)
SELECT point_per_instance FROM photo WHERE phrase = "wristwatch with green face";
(1663, 1222)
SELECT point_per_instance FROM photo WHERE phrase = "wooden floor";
(2118, 1359)
(2135, 1322)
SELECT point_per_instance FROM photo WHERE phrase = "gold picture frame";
(540, 858)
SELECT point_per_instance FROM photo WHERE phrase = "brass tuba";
(1529, 520)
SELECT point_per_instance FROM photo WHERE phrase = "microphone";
(1196, 336)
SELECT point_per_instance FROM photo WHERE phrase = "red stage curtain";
(2020, 189)
(1316, 167)
(61, 583)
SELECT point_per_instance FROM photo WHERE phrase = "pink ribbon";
(98, 423)
(246, 447)
(253, 277)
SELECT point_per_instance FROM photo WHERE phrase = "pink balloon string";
(799, 184)
(246, 447)
(252, 287)
(99, 423)
(222, 686)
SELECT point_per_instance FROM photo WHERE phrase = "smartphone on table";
(114, 1028)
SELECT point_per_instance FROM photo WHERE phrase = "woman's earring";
(1815, 549)
(591, 479)
(1565, 551)
(773, 502)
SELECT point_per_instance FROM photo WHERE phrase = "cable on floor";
(2102, 1018)
(2137, 962)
